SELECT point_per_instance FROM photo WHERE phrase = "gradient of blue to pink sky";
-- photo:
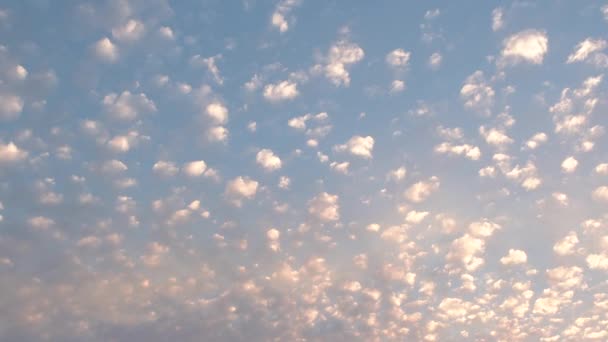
(301, 170)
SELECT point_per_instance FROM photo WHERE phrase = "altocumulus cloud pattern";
(300, 170)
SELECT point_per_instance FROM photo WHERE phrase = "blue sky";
(303, 170)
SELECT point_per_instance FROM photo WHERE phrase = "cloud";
(195, 168)
(585, 49)
(529, 46)
(211, 64)
(324, 207)
(358, 146)
(217, 112)
(279, 16)
(477, 94)
(569, 165)
(341, 56)
(105, 50)
(268, 160)
(11, 153)
(602, 169)
(239, 189)
(130, 31)
(536, 140)
(566, 245)
(515, 257)
(282, 91)
(495, 137)
(469, 151)
(11, 106)
(397, 86)
(435, 60)
(340, 167)
(113, 167)
(420, 191)
(41, 222)
(497, 19)
(397, 175)
(217, 134)
(165, 168)
(398, 58)
(601, 193)
(127, 106)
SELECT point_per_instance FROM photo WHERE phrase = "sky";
(298, 170)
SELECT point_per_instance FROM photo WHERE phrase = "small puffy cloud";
(483, 228)
(132, 30)
(342, 55)
(268, 160)
(602, 169)
(601, 193)
(435, 60)
(536, 140)
(528, 46)
(217, 112)
(119, 143)
(11, 153)
(166, 32)
(40, 222)
(597, 261)
(397, 175)
(498, 19)
(105, 50)
(398, 58)
(358, 146)
(299, 122)
(566, 245)
(467, 250)
(586, 49)
(397, 86)
(477, 94)
(325, 207)
(217, 134)
(340, 167)
(416, 217)
(420, 191)
(284, 182)
(11, 106)
(239, 189)
(165, 168)
(282, 91)
(279, 18)
(569, 165)
(560, 198)
(515, 257)
(211, 64)
(469, 151)
(127, 106)
(495, 137)
(195, 168)
(113, 166)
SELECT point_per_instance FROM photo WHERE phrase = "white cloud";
(435, 60)
(569, 165)
(268, 160)
(397, 175)
(166, 32)
(239, 189)
(217, 112)
(398, 58)
(282, 91)
(466, 250)
(536, 140)
(299, 122)
(515, 257)
(217, 134)
(132, 30)
(416, 217)
(279, 16)
(469, 151)
(41, 222)
(358, 146)
(211, 64)
(325, 207)
(528, 46)
(495, 137)
(105, 50)
(340, 167)
(420, 191)
(602, 169)
(113, 166)
(560, 198)
(284, 182)
(165, 168)
(11, 106)
(11, 153)
(397, 86)
(497, 19)
(119, 143)
(127, 106)
(195, 168)
(585, 49)
(566, 245)
(597, 261)
(601, 193)
(477, 94)
(342, 55)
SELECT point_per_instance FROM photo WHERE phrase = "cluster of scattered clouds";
(165, 177)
